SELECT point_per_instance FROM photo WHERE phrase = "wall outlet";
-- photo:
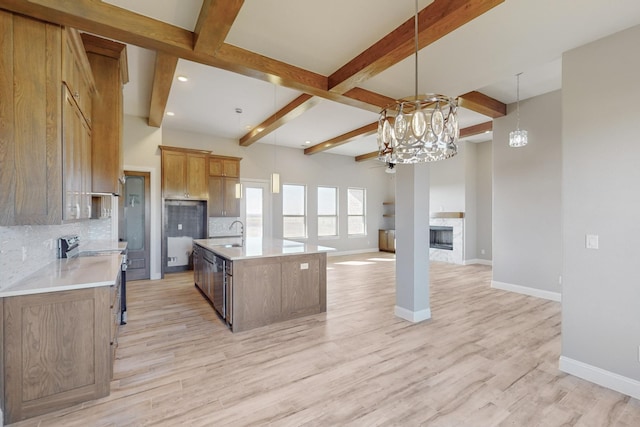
(179, 226)
(482, 251)
(591, 241)
(559, 280)
(304, 266)
(639, 353)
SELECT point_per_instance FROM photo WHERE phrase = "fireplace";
(441, 237)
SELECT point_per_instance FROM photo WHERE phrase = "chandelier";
(518, 138)
(419, 128)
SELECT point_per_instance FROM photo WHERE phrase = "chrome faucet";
(241, 230)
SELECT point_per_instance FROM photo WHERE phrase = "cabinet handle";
(76, 95)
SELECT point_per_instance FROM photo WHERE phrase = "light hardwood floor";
(486, 358)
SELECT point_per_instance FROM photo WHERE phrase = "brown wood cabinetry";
(224, 174)
(45, 134)
(58, 349)
(387, 240)
(184, 173)
(108, 62)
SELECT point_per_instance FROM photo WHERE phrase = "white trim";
(412, 316)
(538, 293)
(599, 376)
(478, 261)
(354, 252)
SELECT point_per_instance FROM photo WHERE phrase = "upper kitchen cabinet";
(33, 55)
(224, 174)
(184, 173)
(108, 61)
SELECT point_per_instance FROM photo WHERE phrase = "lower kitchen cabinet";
(387, 240)
(57, 349)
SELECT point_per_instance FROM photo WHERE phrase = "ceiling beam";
(434, 21)
(368, 156)
(483, 104)
(366, 130)
(165, 68)
(476, 129)
(292, 110)
(214, 23)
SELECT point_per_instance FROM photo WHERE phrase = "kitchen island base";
(256, 291)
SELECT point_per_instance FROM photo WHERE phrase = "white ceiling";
(527, 36)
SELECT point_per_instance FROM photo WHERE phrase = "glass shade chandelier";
(419, 128)
(518, 137)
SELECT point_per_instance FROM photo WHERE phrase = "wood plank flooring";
(487, 358)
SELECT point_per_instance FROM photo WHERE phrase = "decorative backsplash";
(25, 249)
(219, 227)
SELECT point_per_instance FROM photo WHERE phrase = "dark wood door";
(136, 224)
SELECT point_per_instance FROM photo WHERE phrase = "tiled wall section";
(219, 227)
(25, 249)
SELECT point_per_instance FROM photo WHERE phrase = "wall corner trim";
(538, 293)
(599, 376)
(412, 316)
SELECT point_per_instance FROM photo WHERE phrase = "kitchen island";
(262, 281)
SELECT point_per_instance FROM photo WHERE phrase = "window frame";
(335, 215)
(303, 216)
(363, 215)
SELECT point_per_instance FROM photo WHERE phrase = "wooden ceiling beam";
(366, 130)
(214, 22)
(165, 68)
(483, 104)
(476, 129)
(434, 21)
(292, 110)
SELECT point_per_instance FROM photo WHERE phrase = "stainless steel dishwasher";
(216, 277)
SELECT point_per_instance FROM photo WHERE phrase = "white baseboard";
(538, 293)
(413, 316)
(478, 261)
(599, 376)
(354, 252)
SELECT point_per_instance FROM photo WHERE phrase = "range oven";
(69, 247)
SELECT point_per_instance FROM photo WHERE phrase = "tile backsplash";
(25, 249)
(220, 227)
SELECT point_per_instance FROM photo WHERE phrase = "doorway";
(136, 223)
(255, 208)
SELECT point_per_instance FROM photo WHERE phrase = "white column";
(412, 242)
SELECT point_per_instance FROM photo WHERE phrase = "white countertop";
(259, 248)
(68, 274)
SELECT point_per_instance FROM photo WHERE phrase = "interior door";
(136, 224)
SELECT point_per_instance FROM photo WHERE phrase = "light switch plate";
(591, 241)
(304, 266)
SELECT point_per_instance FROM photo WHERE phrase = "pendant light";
(518, 138)
(419, 128)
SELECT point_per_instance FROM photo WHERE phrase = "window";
(356, 199)
(294, 206)
(327, 211)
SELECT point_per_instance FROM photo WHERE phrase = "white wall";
(526, 198)
(601, 173)
(448, 183)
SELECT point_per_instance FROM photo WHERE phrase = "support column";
(412, 242)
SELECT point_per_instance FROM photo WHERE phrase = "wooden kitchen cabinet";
(224, 174)
(108, 62)
(36, 59)
(57, 350)
(387, 240)
(184, 173)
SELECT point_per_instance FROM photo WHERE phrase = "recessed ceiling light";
(183, 79)
(248, 127)
(171, 113)
(307, 142)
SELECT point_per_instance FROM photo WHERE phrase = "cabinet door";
(231, 204)
(216, 167)
(72, 156)
(391, 240)
(173, 174)
(216, 196)
(231, 168)
(85, 168)
(197, 176)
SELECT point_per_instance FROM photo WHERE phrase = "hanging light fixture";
(518, 138)
(419, 128)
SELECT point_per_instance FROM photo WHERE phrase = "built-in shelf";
(389, 215)
(447, 215)
(388, 203)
